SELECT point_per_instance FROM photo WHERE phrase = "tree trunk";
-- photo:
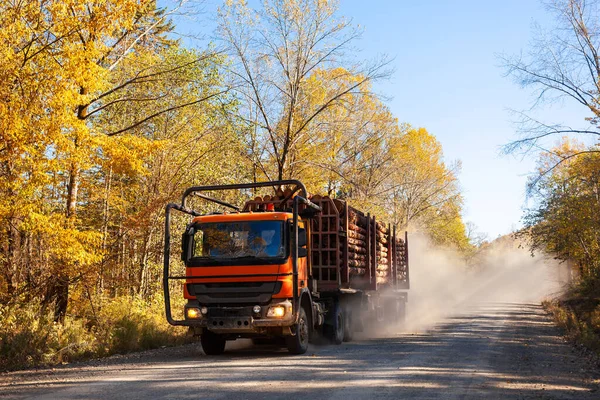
(144, 279)
(105, 219)
(60, 290)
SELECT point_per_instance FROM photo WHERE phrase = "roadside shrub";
(29, 337)
(579, 316)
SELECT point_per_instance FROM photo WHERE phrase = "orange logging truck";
(285, 267)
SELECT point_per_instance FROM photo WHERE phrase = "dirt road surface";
(497, 351)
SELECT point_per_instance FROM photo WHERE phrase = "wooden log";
(382, 238)
(382, 280)
(357, 257)
(356, 264)
(356, 235)
(357, 228)
(356, 241)
(356, 220)
(357, 249)
(357, 216)
(357, 271)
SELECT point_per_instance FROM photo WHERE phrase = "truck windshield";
(231, 240)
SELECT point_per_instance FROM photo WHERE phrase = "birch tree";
(274, 51)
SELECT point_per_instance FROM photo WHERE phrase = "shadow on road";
(498, 351)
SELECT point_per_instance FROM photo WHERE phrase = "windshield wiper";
(250, 257)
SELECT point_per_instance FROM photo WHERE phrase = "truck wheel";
(339, 326)
(348, 327)
(298, 343)
(212, 343)
(334, 330)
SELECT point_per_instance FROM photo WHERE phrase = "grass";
(29, 337)
(578, 313)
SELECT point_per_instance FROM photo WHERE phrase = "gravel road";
(497, 351)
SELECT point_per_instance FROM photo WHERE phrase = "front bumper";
(241, 319)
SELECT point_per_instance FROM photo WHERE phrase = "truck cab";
(246, 276)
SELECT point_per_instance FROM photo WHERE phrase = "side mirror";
(302, 240)
(186, 242)
(302, 252)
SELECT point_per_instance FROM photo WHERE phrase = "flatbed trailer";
(286, 266)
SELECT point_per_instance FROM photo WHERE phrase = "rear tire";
(348, 327)
(298, 343)
(213, 344)
(339, 326)
(335, 330)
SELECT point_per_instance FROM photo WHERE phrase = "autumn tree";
(274, 51)
(565, 218)
(185, 146)
(562, 64)
(64, 79)
(357, 149)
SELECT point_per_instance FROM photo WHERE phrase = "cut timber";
(356, 235)
(357, 257)
(357, 271)
(357, 249)
(357, 264)
(357, 228)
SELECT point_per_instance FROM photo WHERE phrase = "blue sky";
(448, 80)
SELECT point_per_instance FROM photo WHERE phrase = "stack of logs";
(357, 242)
(358, 246)
(382, 235)
(358, 224)
(280, 200)
(402, 269)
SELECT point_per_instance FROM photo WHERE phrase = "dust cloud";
(443, 283)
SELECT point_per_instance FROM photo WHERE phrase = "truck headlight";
(276, 312)
(192, 313)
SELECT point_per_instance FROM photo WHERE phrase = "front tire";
(298, 343)
(212, 343)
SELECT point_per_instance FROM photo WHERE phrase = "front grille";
(233, 293)
(222, 312)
